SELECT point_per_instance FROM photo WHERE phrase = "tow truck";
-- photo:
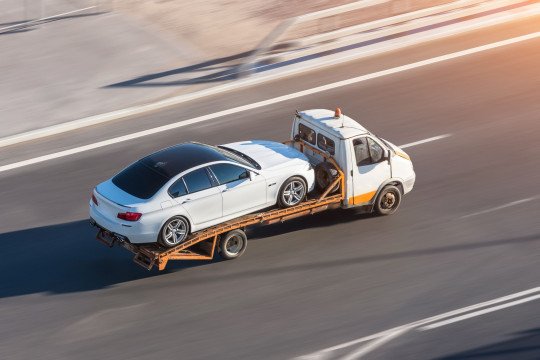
(354, 168)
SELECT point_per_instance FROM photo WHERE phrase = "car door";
(242, 190)
(196, 192)
(371, 169)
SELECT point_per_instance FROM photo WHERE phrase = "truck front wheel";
(387, 201)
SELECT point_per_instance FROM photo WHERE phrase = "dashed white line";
(513, 203)
(425, 141)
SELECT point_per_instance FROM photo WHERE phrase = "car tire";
(387, 201)
(233, 244)
(174, 232)
(292, 192)
(325, 174)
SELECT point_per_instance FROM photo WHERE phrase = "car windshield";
(140, 180)
(238, 156)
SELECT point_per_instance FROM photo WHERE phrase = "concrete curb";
(530, 10)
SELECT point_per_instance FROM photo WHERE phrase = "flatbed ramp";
(202, 244)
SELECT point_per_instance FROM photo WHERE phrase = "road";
(468, 233)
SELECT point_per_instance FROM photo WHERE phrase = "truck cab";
(376, 172)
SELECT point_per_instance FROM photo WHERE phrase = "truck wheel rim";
(293, 193)
(175, 232)
(388, 200)
(234, 245)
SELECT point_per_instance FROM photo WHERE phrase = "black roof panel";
(173, 160)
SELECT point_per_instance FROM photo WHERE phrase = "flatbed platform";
(202, 245)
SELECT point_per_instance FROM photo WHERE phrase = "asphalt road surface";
(468, 233)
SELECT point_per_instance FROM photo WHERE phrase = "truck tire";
(174, 231)
(325, 173)
(233, 244)
(387, 201)
(292, 192)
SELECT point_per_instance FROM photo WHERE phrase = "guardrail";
(400, 23)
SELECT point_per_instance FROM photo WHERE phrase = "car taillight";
(94, 200)
(129, 216)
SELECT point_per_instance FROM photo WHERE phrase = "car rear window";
(140, 180)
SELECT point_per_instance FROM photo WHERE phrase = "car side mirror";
(386, 155)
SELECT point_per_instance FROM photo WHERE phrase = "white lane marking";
(431, 319)
(30, 22)
(425, 141)
(275, 100)
(80, 149)
(481, 312)
(513, 203)
(376, 343)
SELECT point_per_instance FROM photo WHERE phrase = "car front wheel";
(174, 231)
(292, 192)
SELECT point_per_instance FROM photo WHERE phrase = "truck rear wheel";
(388, 200)
(233, 244)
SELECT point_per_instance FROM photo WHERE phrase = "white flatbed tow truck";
(353, 169)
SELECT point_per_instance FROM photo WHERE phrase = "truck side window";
(326, 144)
(361, 151)
(375, 150)
(306, 134)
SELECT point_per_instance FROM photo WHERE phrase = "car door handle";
(186, 201)
(224, 190)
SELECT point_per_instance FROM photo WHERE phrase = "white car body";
(210, 206)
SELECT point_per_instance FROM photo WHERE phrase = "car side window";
(178, 188)
(326, 144)
(361, 151)
(306, 134)
(226, 173)
(375, 150)
(197, 180)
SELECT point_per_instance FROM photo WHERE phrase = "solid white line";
(263, 103)
(513, 203)
(116, 140)
(481, 312)
(425, 141)
(357, 354)
(429, 320)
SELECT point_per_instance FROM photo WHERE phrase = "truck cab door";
(370, 169)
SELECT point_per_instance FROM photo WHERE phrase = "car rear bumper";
(132, 233)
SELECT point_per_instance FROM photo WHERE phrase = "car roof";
(343, 127)
(176, 159)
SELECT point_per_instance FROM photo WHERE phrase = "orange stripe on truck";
(362, 198)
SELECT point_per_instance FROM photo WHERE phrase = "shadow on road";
(66, 258)
(524, 346)
(63, 259)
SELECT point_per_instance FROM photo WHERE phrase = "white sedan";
(191, 186)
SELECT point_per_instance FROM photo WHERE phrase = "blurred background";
(455, 81)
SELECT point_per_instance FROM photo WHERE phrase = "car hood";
(269, 154)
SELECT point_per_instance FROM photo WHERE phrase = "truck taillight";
(94, 200)
(129, 216)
